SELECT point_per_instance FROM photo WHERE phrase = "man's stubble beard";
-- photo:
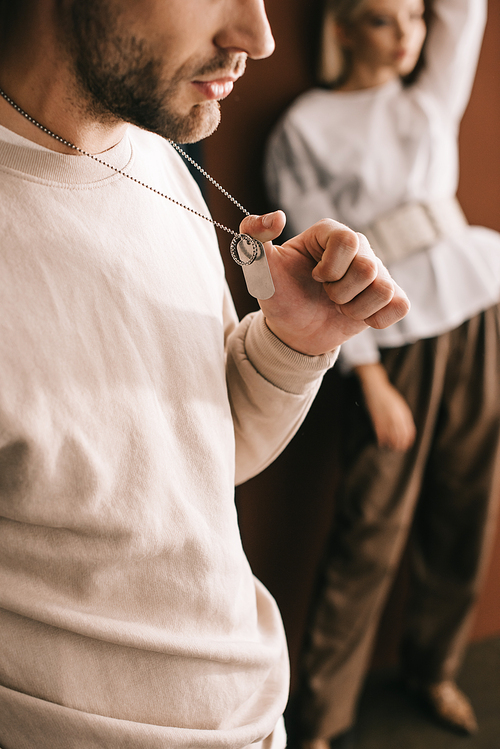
(118, 78)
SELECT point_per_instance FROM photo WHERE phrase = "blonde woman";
(376, 148)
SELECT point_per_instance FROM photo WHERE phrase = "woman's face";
(386, 36)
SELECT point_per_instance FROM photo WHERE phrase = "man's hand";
(329, 284)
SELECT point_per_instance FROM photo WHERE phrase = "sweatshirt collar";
(30, 159)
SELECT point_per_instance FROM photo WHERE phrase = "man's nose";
(245, 28)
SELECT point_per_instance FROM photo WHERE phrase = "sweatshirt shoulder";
(159, 161)
(148, 145)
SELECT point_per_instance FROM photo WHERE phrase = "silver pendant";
(250, 254)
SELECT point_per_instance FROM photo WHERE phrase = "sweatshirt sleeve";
(270, 388)
(452, 51)
(293, 179)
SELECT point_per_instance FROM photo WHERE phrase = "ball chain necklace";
(246, 251)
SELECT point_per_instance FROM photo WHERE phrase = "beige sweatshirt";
(130, 399)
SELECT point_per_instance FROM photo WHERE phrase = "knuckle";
(384, 289)
(327, 223)
(339, 294)
(330, 224)
(387, 315)
(366, 268)
(381, 319)
(340, 234)
(403, 305)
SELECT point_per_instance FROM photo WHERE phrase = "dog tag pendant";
(250, 254)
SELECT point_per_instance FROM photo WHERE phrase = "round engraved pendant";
(245, 249)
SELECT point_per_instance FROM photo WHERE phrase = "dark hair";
(333, 63)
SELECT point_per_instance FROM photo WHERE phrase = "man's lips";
(216, 89)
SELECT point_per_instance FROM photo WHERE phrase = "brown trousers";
(445, 489)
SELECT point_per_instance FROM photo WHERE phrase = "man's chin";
(202, 121)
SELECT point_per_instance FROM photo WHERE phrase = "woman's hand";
(391, 416)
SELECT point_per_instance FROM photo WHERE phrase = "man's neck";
(78, 130)
(36, 75)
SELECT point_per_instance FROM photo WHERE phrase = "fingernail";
(317, 277)
(267, 220)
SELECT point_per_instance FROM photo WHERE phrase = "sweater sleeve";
(270, 388)
(294, 179)
(452, 51)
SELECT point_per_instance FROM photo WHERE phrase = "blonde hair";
(333, 58)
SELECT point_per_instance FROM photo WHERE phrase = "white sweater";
(354, 156)
(129, 616)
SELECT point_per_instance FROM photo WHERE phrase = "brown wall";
(286, 511)
(479, 193)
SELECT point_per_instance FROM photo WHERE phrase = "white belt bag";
(413, 227)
